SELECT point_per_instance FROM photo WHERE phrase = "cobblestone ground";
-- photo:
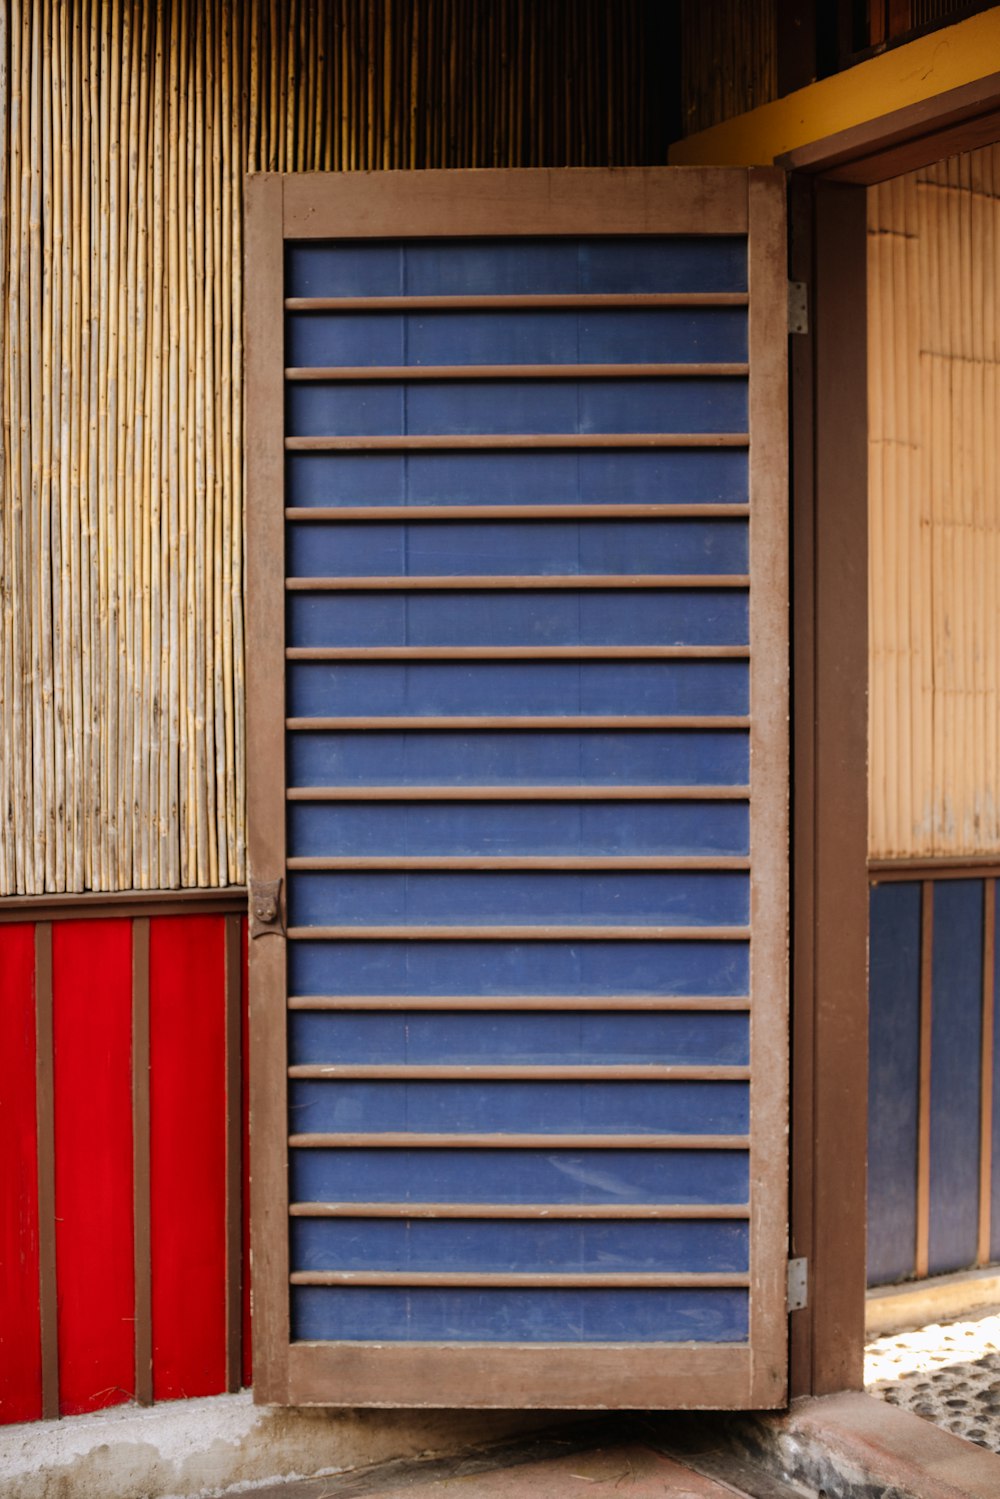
(948, 1372)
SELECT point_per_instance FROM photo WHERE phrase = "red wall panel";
(20, 1341)
(92, 1018)
(245, 1060)
(188, 1154)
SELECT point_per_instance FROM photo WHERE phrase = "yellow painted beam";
(919, 70)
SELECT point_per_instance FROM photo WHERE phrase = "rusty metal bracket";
(265, 908)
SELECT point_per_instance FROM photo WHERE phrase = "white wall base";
(223, 1443)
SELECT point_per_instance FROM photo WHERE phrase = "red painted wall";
(94, 1228)
(20, 1341)
(92, 1047)
(187, 1045)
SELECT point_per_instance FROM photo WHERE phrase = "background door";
(518, 787)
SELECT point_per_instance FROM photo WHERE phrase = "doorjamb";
(828, 367)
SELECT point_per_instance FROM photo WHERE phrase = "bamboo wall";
(125, 130)
(934, 397)
(730, 52)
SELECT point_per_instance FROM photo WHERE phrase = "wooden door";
(518, 787)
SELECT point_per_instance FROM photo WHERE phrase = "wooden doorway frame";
(827, 238)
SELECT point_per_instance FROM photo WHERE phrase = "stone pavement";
(948, 1372)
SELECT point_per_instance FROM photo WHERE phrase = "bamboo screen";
(125, 130)
(934, 523)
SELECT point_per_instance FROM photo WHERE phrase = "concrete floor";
(948, 1372)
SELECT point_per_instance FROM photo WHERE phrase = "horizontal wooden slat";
(422, 442)
(506, 1376)
(374, 372)
(650, 1280)
(467, 582)
(397, 513)
(519, 933)
(542, 721)
(519, 861)
(403, 1140)
(529, 1210)
(549, 202)
(516, 793)
(567, 1073)
(518, 653)
(666, 1002)
(518, 302)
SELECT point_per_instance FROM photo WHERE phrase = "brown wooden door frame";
(453, 203)
(829, 785)
(829, 453)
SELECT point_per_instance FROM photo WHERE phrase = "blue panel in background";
(955, 1070)
(585, 828)
(591, 477)
(516, 267)
(528, 897)
(523, 1246)
(517, 688)
(396, 1314)
(689, 1177)
(585, 757)
(995, 1184)
(518, 1037)
(585, 1108)
(893, 1079)
(646, 335)
(454, 408)
(532, 617)
(498, 967)
(442, 548)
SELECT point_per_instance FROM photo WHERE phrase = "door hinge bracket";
(798, 1284)
(265, 908)
(798, 307)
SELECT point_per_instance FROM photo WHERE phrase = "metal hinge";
(265, 908)
(798, 1284)
(798, 307)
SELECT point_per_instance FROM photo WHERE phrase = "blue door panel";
(956, 1038)
(690, 476)
(483, 407)
(617, 1177)
(499, 1316)
(644, 336)
(516, 267)
(510, 828)
(893, 1080)
(520, 617)
(518, 1037)
(585, 1108)
(586, 757)
(519, 1246)
(342, 549)
(498, 967)
(343, 768)
(559, 688)
(499, 898)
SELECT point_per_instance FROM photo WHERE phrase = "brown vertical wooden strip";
(831, 882)
(234, 1152)
(769, 791)
(986, 1074)
(140, 1163)
(924, 1094)
(266, 777)
(45, 1096)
